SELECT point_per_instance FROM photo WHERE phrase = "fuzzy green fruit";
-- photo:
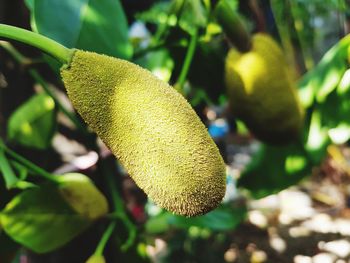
(262, 93)
(152, 130)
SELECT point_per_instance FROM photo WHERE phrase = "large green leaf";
(93, 25)
(41, 220)
(34, 122)
(47, 217)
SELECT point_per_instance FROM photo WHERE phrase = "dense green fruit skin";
(152, 130)
(262, 93)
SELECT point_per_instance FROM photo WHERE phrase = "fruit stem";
(188, 60)
(233, 25)
(45, 44)
(105, 237)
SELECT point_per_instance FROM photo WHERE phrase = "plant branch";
(45, 44)
(188, 60)
(119, 210)
(105, 237)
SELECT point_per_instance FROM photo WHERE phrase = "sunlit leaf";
(47, 217)
(41, 220)
(34, 122)
(324, 78)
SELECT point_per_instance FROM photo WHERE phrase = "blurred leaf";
(334, 115)
(21, 170)
(222, 218)
(207, 68)
(41, 220)
(158, 224)
(93, 25)
(324, 78)
(7, 172)
(159, 63)
(274, 168)
(193, 15)
(318, 139)
(33, 124)
(157, 14)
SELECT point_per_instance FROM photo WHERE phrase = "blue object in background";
(218, 128)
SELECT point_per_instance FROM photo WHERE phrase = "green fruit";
(262, 93)
(152, 130)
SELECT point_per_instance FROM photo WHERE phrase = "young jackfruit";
(151, 128)
(262, 93)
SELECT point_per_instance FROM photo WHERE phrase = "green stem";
(233, 26)
(47, 45)
(36, 170)
(188, 60)
(22, 60)
(119, 210)
(105, 237)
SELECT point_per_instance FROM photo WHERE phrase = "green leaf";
(274, 168)
(325, 77)
(158, 224)
(7, 172)
(194, 14)
(157, 14)
(221, 219)
(41, 220)
(158, 62)
(33, 124)
(93, 25)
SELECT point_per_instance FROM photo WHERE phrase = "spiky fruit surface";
(262, 93)
(152, 130)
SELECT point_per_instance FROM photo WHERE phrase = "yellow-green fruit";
(82, 195)
(151, 128)
(262, 93)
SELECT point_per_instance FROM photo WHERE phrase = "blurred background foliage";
(181, 42)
